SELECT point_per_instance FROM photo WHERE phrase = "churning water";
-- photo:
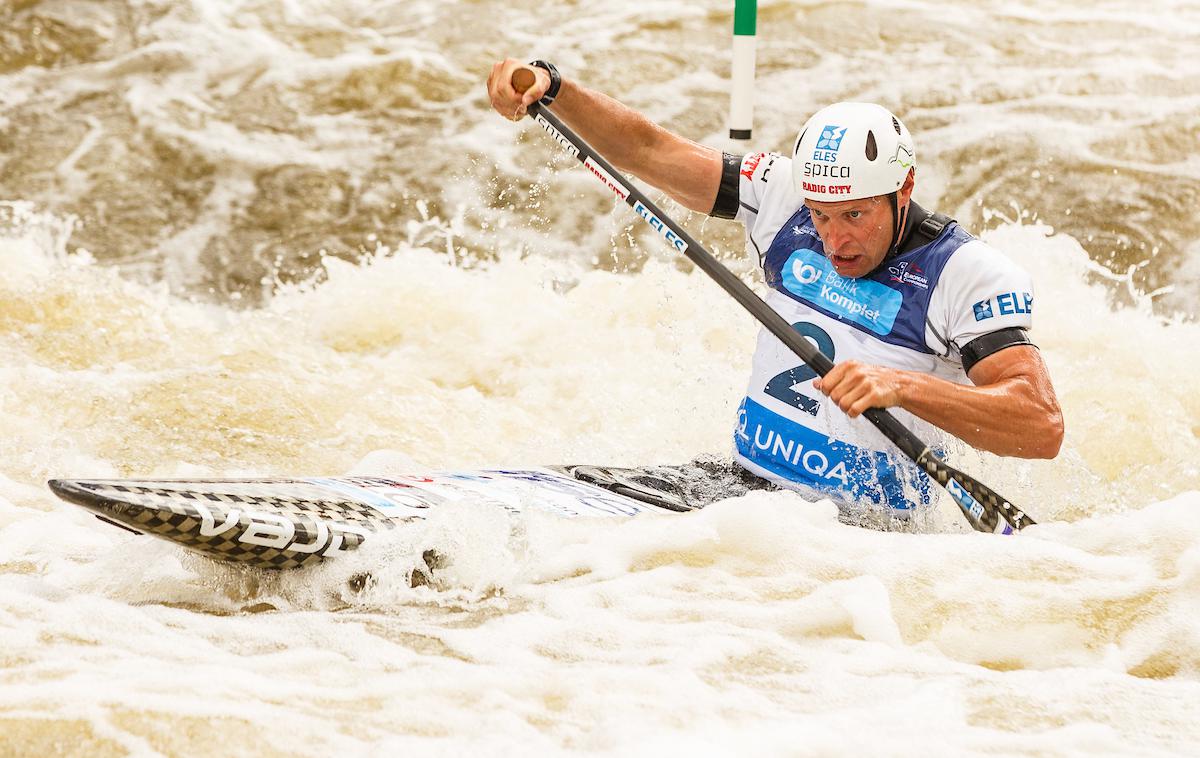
(288, 237)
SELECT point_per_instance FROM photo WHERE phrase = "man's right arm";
(687, 171)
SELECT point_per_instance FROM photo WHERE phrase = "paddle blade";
(985, 509)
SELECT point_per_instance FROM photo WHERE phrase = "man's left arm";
(1011, 410)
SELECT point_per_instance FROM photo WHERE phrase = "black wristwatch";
(555, 81)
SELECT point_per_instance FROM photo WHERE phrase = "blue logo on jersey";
(800, 454)
(811, 277)
(1014, 302)
(1008, 303)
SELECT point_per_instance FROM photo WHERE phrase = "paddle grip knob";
(523, 79)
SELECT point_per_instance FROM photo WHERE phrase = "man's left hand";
(856, 386)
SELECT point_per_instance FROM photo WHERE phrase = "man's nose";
(833, 236)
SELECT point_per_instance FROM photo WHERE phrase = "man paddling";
(920, 317)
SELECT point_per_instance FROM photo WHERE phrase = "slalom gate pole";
(741, 79)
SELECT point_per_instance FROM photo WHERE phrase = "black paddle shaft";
(984, 508)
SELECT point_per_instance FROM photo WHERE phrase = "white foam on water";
(758, 624)
(759, 621)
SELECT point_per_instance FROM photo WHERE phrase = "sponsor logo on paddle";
(620, 189)
(968, 503)
(557, 135)
(660, 227)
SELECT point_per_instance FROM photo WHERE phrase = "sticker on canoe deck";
(513, 489)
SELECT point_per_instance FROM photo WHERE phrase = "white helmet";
(849, 151)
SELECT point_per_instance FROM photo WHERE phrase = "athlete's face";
(856, 233)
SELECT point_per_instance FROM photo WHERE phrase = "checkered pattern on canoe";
(164, 510)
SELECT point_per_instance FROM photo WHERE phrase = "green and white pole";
(741, 95)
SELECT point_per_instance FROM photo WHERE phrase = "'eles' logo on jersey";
(1007, 303)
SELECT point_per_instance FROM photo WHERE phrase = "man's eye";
(854, 214)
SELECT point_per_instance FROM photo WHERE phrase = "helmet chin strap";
(898, 225)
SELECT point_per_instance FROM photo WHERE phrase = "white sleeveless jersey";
(914, 312)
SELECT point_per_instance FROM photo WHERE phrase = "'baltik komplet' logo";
(829, 143)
